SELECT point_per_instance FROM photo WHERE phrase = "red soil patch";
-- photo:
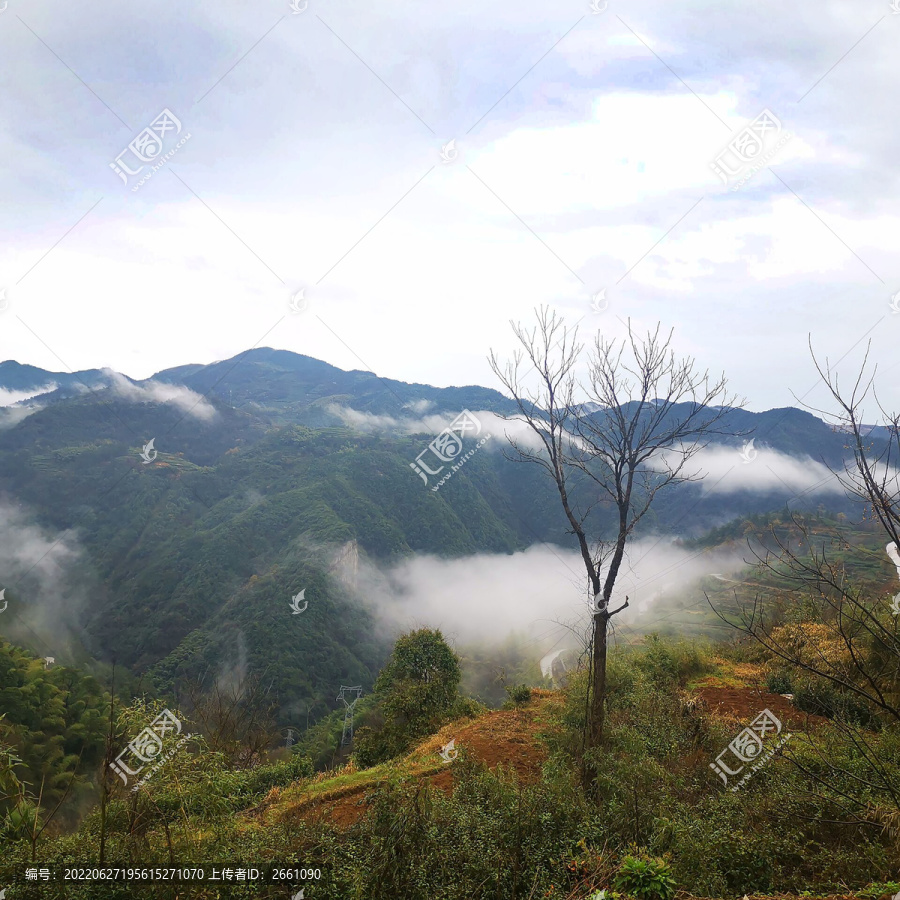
(345, 812)
(745, 703)
(505, 738)
(502, 738)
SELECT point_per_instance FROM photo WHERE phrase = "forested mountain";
(215, 545)
(268, 476)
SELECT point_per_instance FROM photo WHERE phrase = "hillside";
(183, 567)
(498, 813)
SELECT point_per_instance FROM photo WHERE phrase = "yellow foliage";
(813, 643)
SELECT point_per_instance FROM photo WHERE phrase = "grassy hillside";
(506, 817)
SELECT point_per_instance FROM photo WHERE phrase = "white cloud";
(541, 591)
(490, 422)
(12, 415)
(724, 471)
(45, 586)
(160, 392)
(420, 406)
(8, 398)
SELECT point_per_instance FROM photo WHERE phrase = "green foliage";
(421, 679)
(779, 681)
(52, 729)
(645, 878)
(879, 889)
(821, 699)
(667, 662)
(519, 694)
(492, 838)
(416, 692)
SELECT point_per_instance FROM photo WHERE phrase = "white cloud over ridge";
(491, 423)
(8, 397)
(721, 469)
(190, 402)
(724, 471)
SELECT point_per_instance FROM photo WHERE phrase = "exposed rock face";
(345, 565)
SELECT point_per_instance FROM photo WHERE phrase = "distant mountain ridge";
(256, 484)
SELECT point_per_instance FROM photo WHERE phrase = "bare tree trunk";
(598, 688)
(645, 407)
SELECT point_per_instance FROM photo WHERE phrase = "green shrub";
(879, 889)
(646, 878)
(779, 682)
(519, 693)
(821, 699)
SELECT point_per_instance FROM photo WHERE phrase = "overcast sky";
(581, 163)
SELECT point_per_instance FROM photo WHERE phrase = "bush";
(646, 879)
(416, 692)
(779, 682)
(820, 699)
(519, 693)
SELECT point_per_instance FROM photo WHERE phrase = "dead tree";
(843, 633)
(240, 725)
(630, 429)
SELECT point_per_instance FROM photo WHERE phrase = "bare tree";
(841, 633)
(871, 476)
(239, 724)
(630, 431)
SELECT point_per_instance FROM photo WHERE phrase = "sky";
(309, 149)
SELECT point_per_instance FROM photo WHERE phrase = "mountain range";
(274, 473)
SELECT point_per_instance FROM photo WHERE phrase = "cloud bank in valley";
(541, 591)
(45, 586)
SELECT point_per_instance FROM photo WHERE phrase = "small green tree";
(417, 688)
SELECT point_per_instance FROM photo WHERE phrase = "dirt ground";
(745, 703)
(500, 738)
(509, 738)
